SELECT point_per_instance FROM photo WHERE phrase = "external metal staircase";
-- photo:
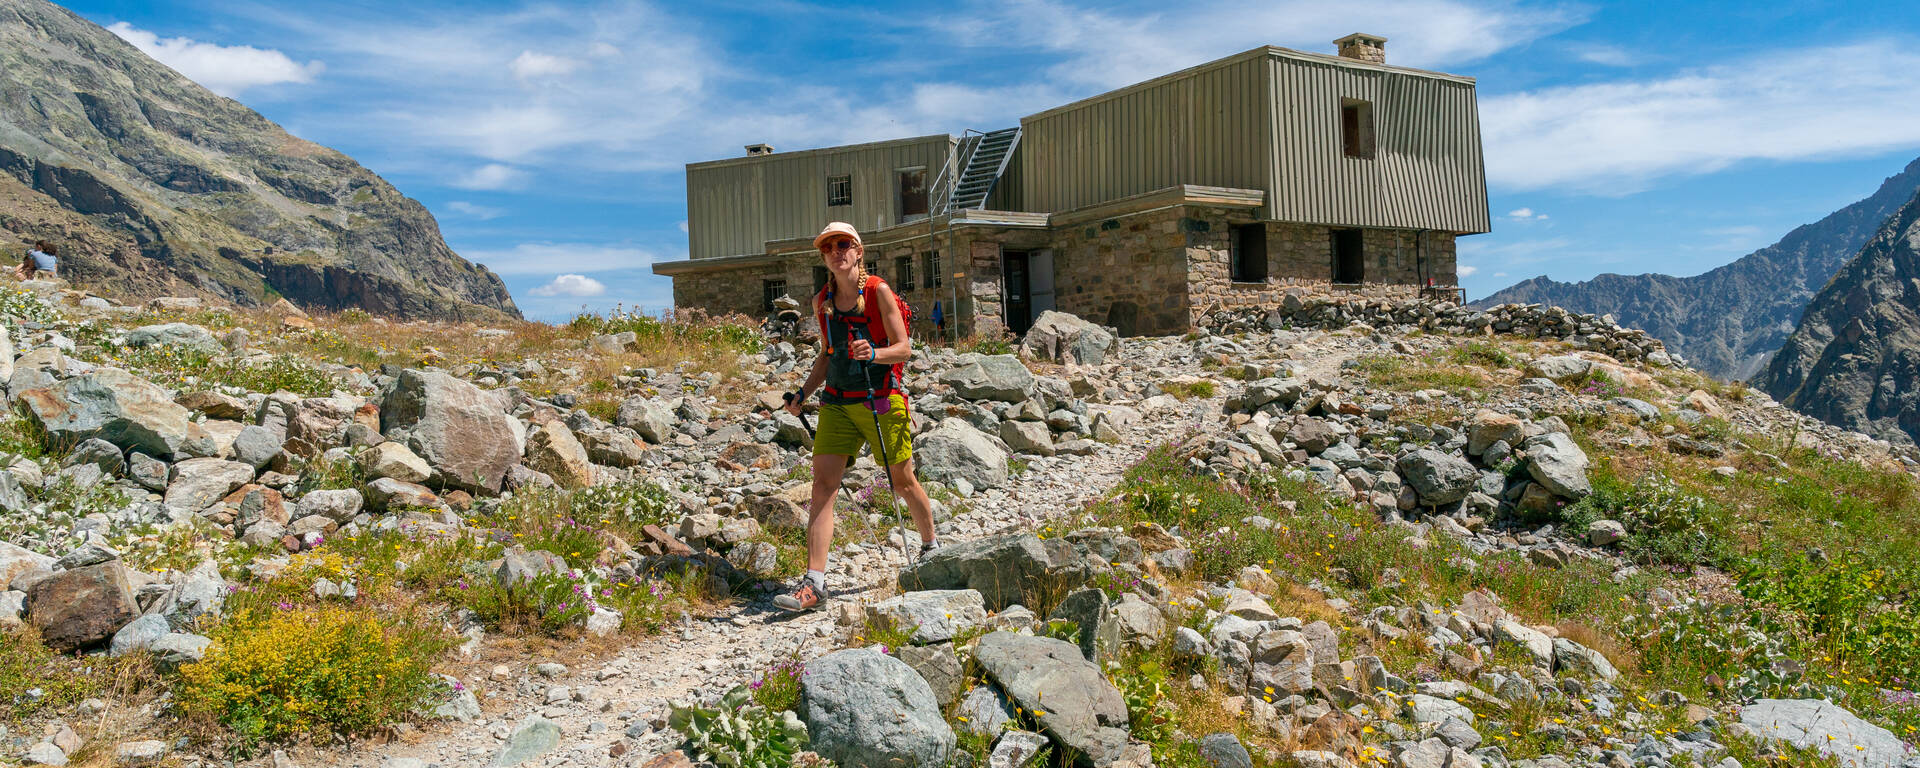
(983, 159)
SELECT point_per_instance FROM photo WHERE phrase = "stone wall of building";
(1129, 272)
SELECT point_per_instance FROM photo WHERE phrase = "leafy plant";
(1151, 715)
(636, 502)
(779, 688)
(739, 733)
(550, 602)
(1666, 524)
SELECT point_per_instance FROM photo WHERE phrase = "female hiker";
(859, 367)
(40, 258)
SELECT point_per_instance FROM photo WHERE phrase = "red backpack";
(876, 335)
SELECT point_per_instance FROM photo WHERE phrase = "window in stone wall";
(1356, 128)
(770, 290)
(820, 278)
(903, 272)
(931, 259)
(1248, 251)
(839, 190)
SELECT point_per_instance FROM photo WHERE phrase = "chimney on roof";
(1363, 47)
(756, 150)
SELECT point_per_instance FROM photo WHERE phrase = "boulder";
(1823, 726)
(177, 649)
(138, 635)
(1562, 368)
(198, 483)
(938, 666)
(1027, 437)
(865, 709)
(395, 460)
(653, 420)
(992, 377)
(1311, 434)
(956, 451)
(1282, 660)
(387, 494)
(15, 560)
(934, 614)
(1573, 657)
(200, 592)
(113, 405)
(255, 445)
(1489, 427)
(1223, 750)
(552, 448)
(1601, 533)
(1063, 691)
(174, 335)
(1002, 568)
(1537, 643)
(1554, 460)
(535, 736)
(1138, 623)
(984, 711)
(1436, 477)
(133, 754)
(460, 429)
(1059, 337)
(339, 506)
(1431, 709)
(82, 607)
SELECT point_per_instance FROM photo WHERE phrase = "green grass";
(1398, 373)
(1189, 390)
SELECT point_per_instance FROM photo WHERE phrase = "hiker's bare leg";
(827, 469)
(908, 489)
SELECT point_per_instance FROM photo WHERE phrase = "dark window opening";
(1249, 253)
(932, 261)
(820, 278)
(1356, 128)
(770, 290)
(1349, 266)
(903, 269)
(913, 193)
(839, 190)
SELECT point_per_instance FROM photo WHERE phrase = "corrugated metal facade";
(735, 206)
(1270, 120)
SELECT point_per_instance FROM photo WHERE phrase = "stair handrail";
(948, 180)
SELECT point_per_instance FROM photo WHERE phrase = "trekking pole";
(853, 505)
(907, 551)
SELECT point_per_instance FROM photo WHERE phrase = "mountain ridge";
(153, 185)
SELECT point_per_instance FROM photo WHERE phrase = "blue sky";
(548, 139)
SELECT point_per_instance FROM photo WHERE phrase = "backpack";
(876, 335)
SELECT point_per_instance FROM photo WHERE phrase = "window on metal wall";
(770, 290)
(903, 270)
(1249, 253)
(1356, 128)
(839, 190)
(932, 261)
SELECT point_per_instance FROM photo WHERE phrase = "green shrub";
(634, 502)
(311, 672)
(739, 733)
(550, 603)
(1482, 353)
(1666, 524)
(779, 689)
(1150, 714)
(34, 679)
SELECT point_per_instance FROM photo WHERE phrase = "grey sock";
(819, 578)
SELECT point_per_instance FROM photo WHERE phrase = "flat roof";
(1260, 52)
(819, 150)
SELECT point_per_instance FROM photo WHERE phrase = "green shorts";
(844, 429)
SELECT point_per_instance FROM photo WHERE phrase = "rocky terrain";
(1332, 533)
(1855, 358)
(1729, 321)
(154, 186)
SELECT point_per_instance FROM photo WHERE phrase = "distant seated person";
(40, 262)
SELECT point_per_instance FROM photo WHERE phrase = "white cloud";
(683, 225)
(1604, 55)
(1616, 138)
(492, 176)
(531, 65)
(1523, 214)
(544, 258)
(1466, 270)
(472, 211)
(227, 70)
(578, 286)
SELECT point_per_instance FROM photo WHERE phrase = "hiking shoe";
(928, 548)
(804, 597)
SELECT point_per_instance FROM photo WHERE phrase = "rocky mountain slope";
(1339, 532)
(1854, 361)
(152, 185)
(1729, 321)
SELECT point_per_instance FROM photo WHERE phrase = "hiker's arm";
(902, 346)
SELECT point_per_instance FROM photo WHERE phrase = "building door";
(1019, 291)
(1040, 275)
(1349, 262)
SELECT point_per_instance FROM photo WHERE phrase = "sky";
(550, 139)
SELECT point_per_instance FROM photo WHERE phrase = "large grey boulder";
(138, 635)
(339, 506)
(535, 736)
(992, 377)
(1488, 427)
(1554, 460)
(1574, 657)
(198, 483)
(256, 445)
(1437, 477)
(1821, 725)
(113, 405)
(395, 460)
(82, 607)
(16, 560)
(1027, 437)
(460, 429)
(1003, 569)
(1063, 691)
(934, 614)
(956, 451)
(865, 709)
(1282, 659)
(1562, 368)
(1059, 337)
(552, 448)
(652, 419)
(173, 335)
(1285, 391)
(201, 592)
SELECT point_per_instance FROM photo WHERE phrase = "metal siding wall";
(1427, 171)
(735, 209)
(1205, 129)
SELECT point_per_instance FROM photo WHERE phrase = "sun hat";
(836, 228)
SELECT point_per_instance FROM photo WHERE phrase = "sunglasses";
(838, 245)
